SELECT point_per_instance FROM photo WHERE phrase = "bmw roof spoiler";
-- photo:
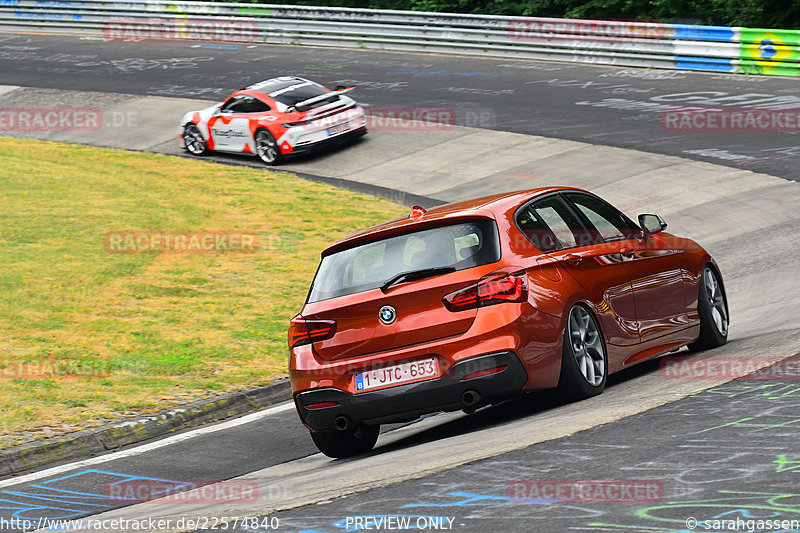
(321, 97)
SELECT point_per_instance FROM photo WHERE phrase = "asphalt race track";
(701, 459)
(602, 105)
(712, 448)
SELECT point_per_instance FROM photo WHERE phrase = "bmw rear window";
(368, 266)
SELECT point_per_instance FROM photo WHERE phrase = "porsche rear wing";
(322, 97)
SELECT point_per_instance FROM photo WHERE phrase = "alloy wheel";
(587, 345)
(716, 301)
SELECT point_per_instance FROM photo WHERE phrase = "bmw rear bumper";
(406, 402)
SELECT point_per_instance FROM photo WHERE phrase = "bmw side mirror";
(217, 112)
(652, 223)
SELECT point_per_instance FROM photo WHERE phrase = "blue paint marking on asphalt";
(481, 499)
(745, 513)
(80, 503)
(52, 498)
(19, 512)
(217, 46)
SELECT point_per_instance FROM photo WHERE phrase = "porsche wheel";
(193, 140)
(713, 309)
(340, 444)
(267, 148)
(584, 361)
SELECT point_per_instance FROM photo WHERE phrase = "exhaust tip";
(470, 398)
(342, 423)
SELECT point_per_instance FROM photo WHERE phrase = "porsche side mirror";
(652, 223)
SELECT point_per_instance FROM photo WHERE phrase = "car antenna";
(416, 212)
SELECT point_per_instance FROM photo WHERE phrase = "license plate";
(395, 374)
(338, 128)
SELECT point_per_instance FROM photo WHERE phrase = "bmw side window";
(534, 228)
(550, 225)
(610, 224)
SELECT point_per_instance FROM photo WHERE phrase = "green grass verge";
(88, 335)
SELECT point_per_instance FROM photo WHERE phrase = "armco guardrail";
(639, 44)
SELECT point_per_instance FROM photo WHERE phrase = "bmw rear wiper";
(415, 275)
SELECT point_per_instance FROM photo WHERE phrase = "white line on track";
(148, 447)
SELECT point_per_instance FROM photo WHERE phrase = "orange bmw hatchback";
(471, 303)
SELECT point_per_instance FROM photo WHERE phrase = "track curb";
(88, 442)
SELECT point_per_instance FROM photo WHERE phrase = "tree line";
(751, 13)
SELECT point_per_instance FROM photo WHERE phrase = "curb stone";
(87, 442)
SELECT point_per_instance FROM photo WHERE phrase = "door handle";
(625, 250)
(572, 259)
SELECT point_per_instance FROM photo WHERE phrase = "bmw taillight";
(506, 285)
(302, 331)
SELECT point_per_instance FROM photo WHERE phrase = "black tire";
(341, 444)
(712, 306)
(193, 141)
(573, 384)
(267, 148)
